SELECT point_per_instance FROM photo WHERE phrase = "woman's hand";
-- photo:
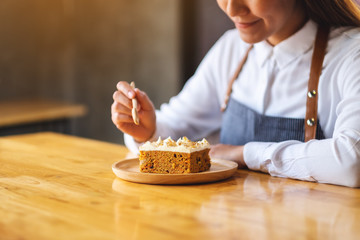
(229, 152)
(121, 112)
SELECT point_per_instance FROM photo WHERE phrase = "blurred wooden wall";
(203, 23)
(77, 50)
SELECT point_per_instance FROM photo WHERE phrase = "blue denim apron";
(241, 124)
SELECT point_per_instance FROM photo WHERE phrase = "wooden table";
(56, 186)
(36, 110)
(35, 115)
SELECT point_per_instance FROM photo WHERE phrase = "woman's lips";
(245, 24)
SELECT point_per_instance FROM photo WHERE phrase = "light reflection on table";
(55, 186)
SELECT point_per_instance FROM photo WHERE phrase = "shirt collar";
(263, 51)
(289, 49)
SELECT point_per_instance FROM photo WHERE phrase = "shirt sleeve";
(334, 160)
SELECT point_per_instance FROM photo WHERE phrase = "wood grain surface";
(56, 186)
(36, 110)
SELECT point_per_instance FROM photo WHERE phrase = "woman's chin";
(251, 38)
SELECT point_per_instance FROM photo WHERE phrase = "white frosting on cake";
(181, 145)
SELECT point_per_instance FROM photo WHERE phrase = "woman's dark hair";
(334, 12)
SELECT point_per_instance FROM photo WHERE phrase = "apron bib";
(241, 124)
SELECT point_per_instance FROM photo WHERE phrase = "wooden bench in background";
(35, 115)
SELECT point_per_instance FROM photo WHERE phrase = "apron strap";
(315, 71)
(237, 72)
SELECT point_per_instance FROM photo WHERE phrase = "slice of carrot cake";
(168, 156)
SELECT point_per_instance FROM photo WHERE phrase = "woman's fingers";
(228, 152)
(126, 89)
(121, 112)
(143, 100)
(119, 118)
(119, 108)
(119, 97)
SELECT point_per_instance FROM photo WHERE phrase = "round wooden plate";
(129, 170)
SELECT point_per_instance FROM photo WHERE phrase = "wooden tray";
(129, 170)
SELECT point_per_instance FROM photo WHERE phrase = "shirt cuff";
(131, 144)
(255, 156)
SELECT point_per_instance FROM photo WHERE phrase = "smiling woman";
(289, 73)
(274, 20)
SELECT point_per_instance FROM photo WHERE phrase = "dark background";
(77, 50)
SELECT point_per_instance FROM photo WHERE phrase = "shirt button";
(311, 93)
(310, 122)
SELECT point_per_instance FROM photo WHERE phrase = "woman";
(275, 118)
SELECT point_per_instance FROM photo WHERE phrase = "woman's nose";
(236, 8)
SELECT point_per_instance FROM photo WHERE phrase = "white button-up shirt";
(274, 82)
